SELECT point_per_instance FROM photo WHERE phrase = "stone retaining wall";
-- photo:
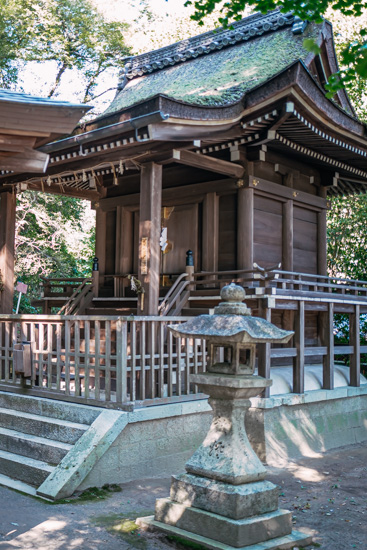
(157, 441)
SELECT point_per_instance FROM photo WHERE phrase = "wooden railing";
(290, 282)
(112, 362)
(60, 287)
(79, 300)
(176, 298)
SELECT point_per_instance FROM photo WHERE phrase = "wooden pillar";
(149, 233)
(354, 340)
(101, 218)
(210, 232)
(321, 243)
(328, 342)
(287, 230)
(299, 341)
(7, 238)
(264, 350)
(245, 228)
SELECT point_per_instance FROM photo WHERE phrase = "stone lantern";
(223, 500)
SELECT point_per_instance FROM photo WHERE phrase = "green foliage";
(16, 28)
(55, 237)
(347, 257)
(70, 32)
(347, 237)
(354, 54)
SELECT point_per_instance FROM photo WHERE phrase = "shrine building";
(216, 162)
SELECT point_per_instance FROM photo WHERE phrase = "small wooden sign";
(144, 256)
(21, 287)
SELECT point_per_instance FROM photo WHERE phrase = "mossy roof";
(220, 78)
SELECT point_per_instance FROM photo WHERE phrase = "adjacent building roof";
(27, 122)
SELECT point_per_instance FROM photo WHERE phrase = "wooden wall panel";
(110, 243)
(227, 254)
(182, 232)
(267, 231)
(124, 241)
(305, 240)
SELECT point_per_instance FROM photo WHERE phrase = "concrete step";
(23, 468)
(49, 428)
(32, 446)
(62, 410)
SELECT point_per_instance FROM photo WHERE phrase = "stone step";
(23, 468)
(32, 446)
(17, 485)
(61, 410)
(49, 428)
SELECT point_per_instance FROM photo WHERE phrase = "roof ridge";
(202, 44)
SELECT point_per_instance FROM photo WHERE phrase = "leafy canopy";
(55, 237)
(73, 33)
(353, 56)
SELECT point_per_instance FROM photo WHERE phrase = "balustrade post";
(121, 361)
(95, 277)
(328, 341)
(190, 268)
(354, 340)
(299, 341)
(264, 350)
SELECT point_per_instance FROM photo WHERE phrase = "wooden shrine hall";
(226, 146)
(215, 162)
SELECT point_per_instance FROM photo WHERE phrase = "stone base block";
(233, 501)
(294, 539)
(237, 533)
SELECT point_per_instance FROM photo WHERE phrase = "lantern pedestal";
(223, 500)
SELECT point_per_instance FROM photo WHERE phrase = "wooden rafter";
(196, 160)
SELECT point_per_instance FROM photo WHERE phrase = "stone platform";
(294, 539)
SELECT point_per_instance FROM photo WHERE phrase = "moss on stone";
(222, 77)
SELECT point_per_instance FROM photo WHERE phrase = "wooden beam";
(7, 238)
(65, 190)
(28, 161)
(149, 233)
(26, 133)
(171, 195)
(354, 340)
(22, 141)
(204, 162)
(209, 253)
(286, 193)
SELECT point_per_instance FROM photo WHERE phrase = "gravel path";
(327, 493)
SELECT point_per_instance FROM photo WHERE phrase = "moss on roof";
(222, 77)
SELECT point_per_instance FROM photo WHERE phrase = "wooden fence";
(109, 361)
(120, 362)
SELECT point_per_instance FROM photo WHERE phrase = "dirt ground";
(327, 493)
